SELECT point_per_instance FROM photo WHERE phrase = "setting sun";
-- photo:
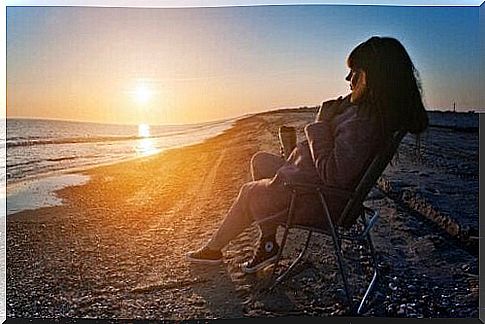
(142, 94)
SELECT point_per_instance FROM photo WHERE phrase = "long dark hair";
(393, 91)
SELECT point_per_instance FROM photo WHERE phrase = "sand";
(115, 248)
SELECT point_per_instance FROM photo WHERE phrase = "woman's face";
(357, 79)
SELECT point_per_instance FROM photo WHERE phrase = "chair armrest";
(318, 188)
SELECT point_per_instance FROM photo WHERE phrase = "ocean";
(38, 147)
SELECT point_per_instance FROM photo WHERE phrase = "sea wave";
(71, 140)
(38, 147)
(37, 140)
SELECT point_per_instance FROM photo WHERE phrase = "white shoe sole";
(203, 261)
(260, 266)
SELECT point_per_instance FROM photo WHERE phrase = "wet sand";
(116, 248)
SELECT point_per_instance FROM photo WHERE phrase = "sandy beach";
(115, 248)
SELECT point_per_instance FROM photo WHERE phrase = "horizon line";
(476, 111)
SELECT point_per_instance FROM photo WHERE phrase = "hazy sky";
(166, 66)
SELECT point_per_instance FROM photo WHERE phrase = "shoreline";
(192, 136)
(49, 196)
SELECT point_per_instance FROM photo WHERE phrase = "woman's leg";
(264, 165)
(236, 220)
(239, 217)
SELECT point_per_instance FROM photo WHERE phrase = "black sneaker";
(266, 254)
(204, 256)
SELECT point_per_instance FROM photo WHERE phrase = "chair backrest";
(377, 166)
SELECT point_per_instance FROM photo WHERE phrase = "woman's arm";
(329, 109)
(340, 154)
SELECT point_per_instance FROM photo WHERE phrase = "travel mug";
(287, 135)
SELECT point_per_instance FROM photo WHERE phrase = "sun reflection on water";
(145, 146)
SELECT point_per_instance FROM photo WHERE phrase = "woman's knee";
(258, 158)
(245, 188)
(264, 165)
(256, 164)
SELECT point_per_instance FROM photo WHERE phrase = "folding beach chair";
(347, 220)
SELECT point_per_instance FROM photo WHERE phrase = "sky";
(174, 66)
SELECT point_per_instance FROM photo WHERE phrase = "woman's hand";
(329, 109)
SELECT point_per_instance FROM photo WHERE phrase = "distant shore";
(115, 248)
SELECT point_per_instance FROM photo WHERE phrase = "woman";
(346, 135)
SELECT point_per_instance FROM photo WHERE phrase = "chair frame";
(354, 207)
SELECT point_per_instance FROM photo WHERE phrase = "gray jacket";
(336, 152)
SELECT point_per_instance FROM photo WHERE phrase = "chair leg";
(338, 252)
(272, 281)
(285, 274)
(374, 276)
(283, 241)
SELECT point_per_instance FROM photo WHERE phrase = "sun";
(142, 94)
